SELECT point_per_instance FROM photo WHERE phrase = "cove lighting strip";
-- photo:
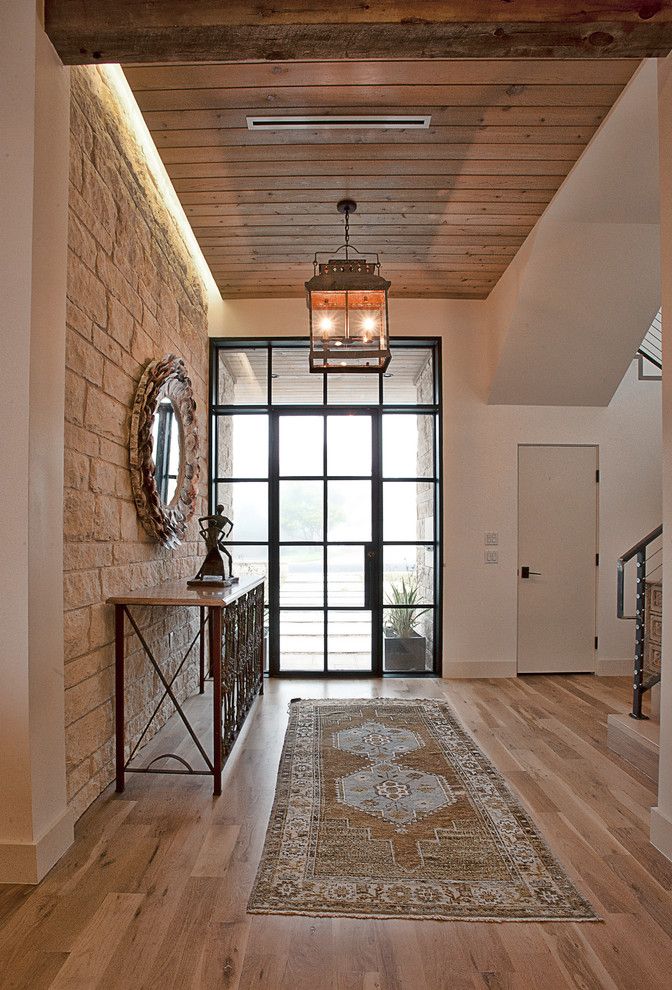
(116, 80)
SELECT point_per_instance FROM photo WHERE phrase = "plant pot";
(407, 653)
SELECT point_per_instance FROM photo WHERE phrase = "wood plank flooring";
(153, 893)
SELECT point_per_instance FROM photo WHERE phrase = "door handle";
(369, 574)
(525, 572)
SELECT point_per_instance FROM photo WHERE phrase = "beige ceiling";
(446, 207)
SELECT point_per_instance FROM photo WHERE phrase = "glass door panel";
(345, 577)
(342, 391)
(408, 640)
(302, 641)
(301, 576)
(349, 641)
(408, 445)
(251, 560)
(242, 377)
(349, 446)
(408, 570)
(349, 511)
(246, 503)
(242, 446)
(301, 446)
(349, 520)
(324, 466)
(409, 380)
(408, 511)
(301, 511)
(292, 382)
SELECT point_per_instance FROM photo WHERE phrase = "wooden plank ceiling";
(446, 207)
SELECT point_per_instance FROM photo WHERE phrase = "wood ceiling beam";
(85, 31)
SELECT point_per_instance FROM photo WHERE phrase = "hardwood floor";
(153, 893)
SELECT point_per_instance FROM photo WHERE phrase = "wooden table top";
(177, 593)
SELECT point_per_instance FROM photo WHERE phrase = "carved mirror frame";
(166, 377)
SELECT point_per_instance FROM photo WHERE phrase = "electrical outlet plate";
(491, 557)
(491, 539)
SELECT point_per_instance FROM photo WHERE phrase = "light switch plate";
(491, 557)
(491, 539)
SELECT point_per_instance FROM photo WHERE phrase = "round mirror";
(164, 450)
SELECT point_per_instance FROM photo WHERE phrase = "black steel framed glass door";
(333, 485)
(325, 539)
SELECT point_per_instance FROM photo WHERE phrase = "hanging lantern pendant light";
(347, 302)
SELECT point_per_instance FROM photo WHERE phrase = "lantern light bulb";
(326, 323)
(368, 323)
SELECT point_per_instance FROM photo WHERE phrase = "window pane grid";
(394, 399)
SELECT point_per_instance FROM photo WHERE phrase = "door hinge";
(597, 476)
(596, 642)
(597, 560)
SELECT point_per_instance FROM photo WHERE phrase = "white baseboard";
(661, 832)
(605, 667)
(479, 668)
(614, 666)
(29, 862)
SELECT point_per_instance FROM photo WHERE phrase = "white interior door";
(557, 541)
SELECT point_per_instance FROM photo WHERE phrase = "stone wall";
(133, 296)
(425, 496)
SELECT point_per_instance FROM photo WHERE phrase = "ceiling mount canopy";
(347, 302)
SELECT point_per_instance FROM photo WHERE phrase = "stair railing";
(651, 347)
(646, 562)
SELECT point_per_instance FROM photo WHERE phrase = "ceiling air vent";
(321, 121)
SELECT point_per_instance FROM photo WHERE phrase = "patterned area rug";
(388, 809)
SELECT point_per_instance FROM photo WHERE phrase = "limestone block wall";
(425, 495)
(133, 296)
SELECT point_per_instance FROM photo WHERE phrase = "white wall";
(480, 482)
(35, 826)
(480, 476)
(581, 292)
(661, 816)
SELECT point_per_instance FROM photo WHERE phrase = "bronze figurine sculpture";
(214, 530)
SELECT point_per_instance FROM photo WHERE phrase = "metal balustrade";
(650, 351)
(648, 556)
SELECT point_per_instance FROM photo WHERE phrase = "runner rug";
(388, 809)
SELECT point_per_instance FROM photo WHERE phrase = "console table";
(234, 618)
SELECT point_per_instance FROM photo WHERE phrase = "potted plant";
(405, 648)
